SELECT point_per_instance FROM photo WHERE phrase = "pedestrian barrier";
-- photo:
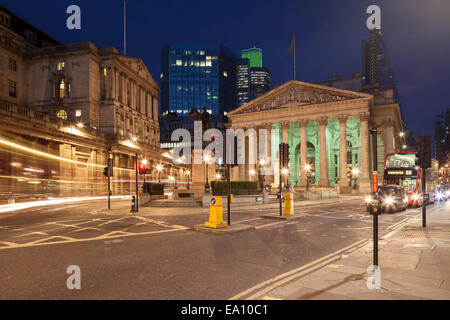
(288, 204)
(215, 214)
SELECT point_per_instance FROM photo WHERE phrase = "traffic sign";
(213, 201)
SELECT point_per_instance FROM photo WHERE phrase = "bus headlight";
(368, 200)
(388, 201)
(440, 196)
(415, 197)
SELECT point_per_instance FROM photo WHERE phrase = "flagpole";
(125, 27)
(295, 67)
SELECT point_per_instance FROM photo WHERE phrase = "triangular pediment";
(297, 93)
(139, 68)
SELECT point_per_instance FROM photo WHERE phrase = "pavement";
(414, 264)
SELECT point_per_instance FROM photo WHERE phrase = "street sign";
(213, 201)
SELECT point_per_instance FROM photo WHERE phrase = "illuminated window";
(208, 63)
(202, 63)
(78, 113)
(62, 114)
(225, 74)
(179, 62)
(62, 89)
(60, 65)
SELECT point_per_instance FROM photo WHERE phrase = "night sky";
(328, 36)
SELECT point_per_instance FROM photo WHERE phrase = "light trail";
(51, 156)
(52, 202)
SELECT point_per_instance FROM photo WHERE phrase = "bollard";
(215, 214)
(133, 204)
(288, 204)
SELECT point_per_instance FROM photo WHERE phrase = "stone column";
(285, 128)
(323, 182)
(343, 151)
(388, 136)
(364, 182)
(113, 83)
(303, 152)
(108, 82)
(269, 178)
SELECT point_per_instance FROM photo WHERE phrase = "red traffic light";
(141, 168)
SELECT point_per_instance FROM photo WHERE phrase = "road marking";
(335, 266)
(32, 233)
(111, 235)
(269, 224)
(282, 278)
(271, 298)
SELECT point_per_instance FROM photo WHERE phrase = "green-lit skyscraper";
(253, 80)
(254, 55)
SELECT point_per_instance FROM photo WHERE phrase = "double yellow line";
(259, 290)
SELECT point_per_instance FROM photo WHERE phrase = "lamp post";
(355, 173)
(188, 173)
(262, 163)
(144, 162)
(308, 170)
(207, 158)
(159, 168)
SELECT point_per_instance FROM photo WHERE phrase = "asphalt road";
(157, 255)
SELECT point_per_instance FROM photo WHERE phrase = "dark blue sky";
(328, 34)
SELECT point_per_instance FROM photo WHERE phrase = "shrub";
(220, 188)
(154, 188)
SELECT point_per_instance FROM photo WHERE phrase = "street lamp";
(188, 173)
(307, 169)
(355, 173)
(159, 168)
(207, 158)
(218, 176)
(262, 163)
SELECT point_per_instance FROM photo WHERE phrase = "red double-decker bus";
(400, 169)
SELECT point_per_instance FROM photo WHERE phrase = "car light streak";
(51, 202)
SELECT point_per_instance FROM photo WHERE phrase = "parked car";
(390, 198)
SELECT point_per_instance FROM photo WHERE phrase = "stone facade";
(66, 108)
(327, 128)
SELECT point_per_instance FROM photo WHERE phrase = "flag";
(292, 46)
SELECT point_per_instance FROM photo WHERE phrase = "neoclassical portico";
(326, 128)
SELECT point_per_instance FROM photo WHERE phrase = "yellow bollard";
(231, 198)
(288, 204)
(215, 214)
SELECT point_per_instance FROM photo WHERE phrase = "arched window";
(62, 114)
(62, 89)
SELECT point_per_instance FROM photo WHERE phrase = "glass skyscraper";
(377, 64)
(253, 80)
(200, 76)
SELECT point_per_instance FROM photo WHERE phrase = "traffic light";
(423, 154)
(141, 168)
(105, 171)
(418, 159)
(230, 150)
(284, 155)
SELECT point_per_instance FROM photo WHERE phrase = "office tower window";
(78, 113)
(60, 66)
